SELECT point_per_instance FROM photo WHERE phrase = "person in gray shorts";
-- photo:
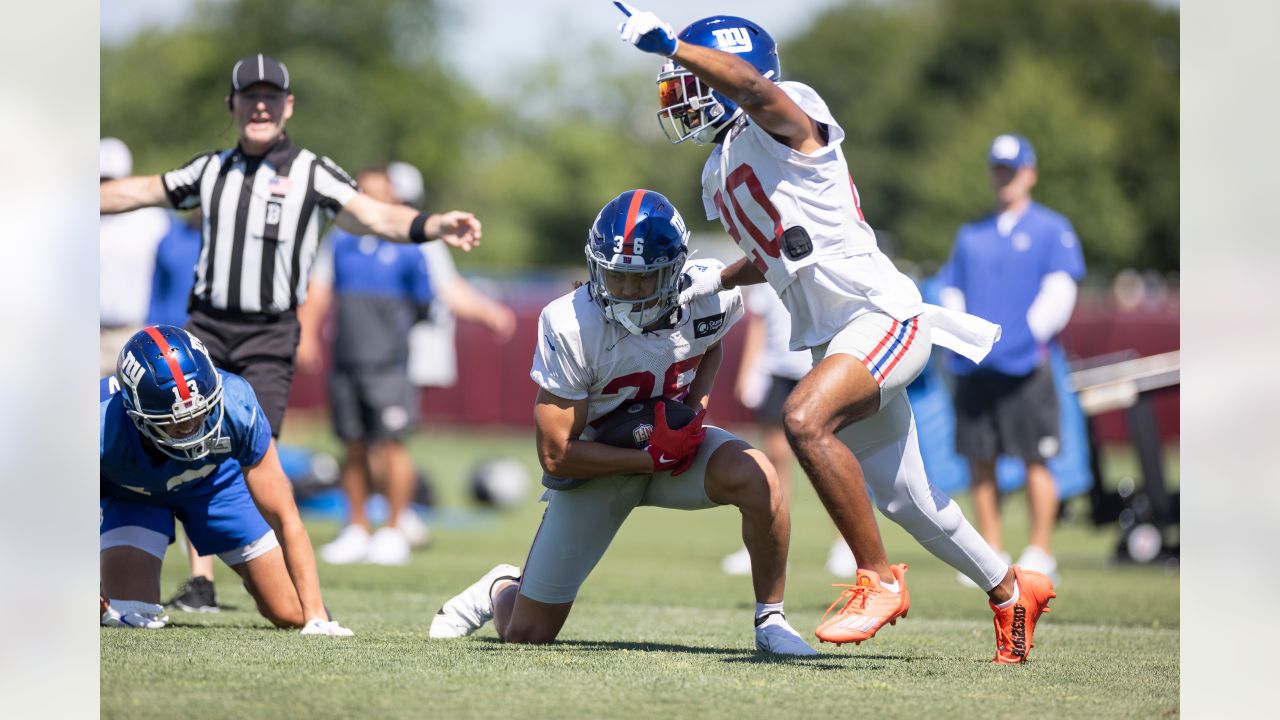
(378, 290)
(618, 339)
(1017, 266)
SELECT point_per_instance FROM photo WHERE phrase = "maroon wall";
(494, 388)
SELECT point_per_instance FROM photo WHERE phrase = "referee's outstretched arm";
(131, 193)
(363, 215)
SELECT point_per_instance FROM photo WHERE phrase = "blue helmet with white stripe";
(688, 108)
(635, 250)
(171, 391)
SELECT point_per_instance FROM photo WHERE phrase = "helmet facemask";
(689, 108)
(198, 444)
(635, 314)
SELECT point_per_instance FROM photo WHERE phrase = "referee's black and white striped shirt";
(262, 222)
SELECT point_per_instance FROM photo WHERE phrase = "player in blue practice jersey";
(180, 439)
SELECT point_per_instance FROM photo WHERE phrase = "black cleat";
(195, 595)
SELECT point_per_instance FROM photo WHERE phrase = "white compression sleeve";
(1051, 309)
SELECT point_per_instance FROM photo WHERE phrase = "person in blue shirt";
(381, 289)
(182, 440)
(1017, 267)
(175, 274)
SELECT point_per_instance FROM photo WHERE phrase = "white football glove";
(331, 628)
(704, 284)
(646, 31)
(134, 614)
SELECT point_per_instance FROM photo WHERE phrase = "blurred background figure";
(129, 262)
(174, 274)
(126, 256)
(432, 348)
(379, 290)
(1017, 267)
(767, 373)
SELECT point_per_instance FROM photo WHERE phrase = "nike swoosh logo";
(663, 459)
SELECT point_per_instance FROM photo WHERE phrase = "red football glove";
(674, 450)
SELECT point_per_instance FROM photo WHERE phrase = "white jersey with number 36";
(580, 354)
(797, 217)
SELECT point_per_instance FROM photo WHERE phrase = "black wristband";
(418, 229)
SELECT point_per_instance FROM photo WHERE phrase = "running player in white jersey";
(621, 338)
(778, 181)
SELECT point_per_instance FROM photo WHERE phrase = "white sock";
(764, 609)
(891, 586)
(1011, 600)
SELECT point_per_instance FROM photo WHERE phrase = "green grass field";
(657, 630)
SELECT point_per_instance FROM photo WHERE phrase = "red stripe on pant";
(915, 325)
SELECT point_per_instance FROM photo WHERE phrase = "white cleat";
(738, 563)
(470, 609)
(389, 546)
(414, 528)
(351, 546)
(776, 637)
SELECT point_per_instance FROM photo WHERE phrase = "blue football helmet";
(689, 108)
(635, 251)
(171, 391)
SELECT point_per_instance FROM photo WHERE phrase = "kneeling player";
(182, 439)
(621, 338)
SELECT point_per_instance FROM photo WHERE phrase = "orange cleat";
(1017, 623)
(867, 606)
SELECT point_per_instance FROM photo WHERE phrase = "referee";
(265, 203)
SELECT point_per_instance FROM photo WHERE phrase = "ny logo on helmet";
(132, 370)
(733, 40)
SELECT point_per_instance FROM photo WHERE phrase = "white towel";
(969, 335)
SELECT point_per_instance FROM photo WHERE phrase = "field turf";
(657, 630)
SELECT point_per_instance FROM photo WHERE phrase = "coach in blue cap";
(1018, 267)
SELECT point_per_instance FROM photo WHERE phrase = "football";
(632, 423)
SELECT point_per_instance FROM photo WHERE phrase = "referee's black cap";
(259, 68)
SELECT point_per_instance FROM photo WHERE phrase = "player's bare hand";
(501, 321)
(457, 228)
(646, 31)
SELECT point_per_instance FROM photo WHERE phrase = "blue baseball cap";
(1014, 151)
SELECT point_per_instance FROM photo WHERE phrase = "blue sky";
(491, 40)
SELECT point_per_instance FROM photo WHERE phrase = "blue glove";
(646, 31)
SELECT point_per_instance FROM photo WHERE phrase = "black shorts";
(257, 348)
(998, 414)
(770, 411)
(373, 404)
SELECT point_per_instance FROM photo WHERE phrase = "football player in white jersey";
(778, 181)
(618, 339)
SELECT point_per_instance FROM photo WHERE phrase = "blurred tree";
(367, 85)
(921, 87)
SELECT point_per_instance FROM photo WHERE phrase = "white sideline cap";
(406, 182)
(114, 158)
